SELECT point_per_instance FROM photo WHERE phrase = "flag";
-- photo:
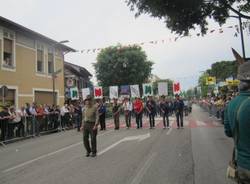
(176, 88)
(135, 92)
(113, 92)
(162, 88)
(210, 80)
(85, 93)
(125, 90)
(232, 82)
(147, 89)
(98, 93)
(74, 93)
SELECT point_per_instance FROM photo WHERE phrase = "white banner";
(162, 88)
(85, 93)
(135, 91)
(113, 92)
(147, 89)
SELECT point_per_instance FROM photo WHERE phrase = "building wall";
(25, 80)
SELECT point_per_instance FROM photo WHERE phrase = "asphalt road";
(197, 154)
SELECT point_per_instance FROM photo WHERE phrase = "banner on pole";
(98, 93)
(125, 90)
(147, 89)
(135, 91)
(176, 88)
(113, 92)
(74, 95)
(162, 88)
(85, 93)
(210, 80)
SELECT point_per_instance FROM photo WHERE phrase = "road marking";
(169, 131)
(171, 128)
(48, 154)
(137, 179)
(200, 123)
(130, 138)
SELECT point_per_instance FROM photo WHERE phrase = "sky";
(99, 24)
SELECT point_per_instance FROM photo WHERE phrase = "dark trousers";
(165, 117)
(3, 127)
(179, 117)
(102, 121)
(65, 120)
(88, 131)
(152, 120)
(11, 129)
(78, 118)
(138, 118)
(128, 118)
(117, 121)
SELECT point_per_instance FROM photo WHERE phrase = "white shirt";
(64, 110)
(128, 106)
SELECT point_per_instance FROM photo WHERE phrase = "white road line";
(137, 179)
(169, 131)
(200, 123)
(48, 154)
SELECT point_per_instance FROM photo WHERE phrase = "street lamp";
(54, 73)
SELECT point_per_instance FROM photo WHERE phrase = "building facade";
(27, 61)
(75, 77)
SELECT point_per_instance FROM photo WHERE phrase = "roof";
(78, 69)
(19, 28)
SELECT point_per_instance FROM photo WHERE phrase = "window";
(50, 62)
(40, 59)
(8, 50)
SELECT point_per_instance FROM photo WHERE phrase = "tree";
(122, 66)
(203, 85)
(223, 69)
(182, 15)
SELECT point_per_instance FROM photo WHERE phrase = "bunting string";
(245, 26)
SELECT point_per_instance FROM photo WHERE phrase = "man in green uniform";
(237, 123)
(90, 125)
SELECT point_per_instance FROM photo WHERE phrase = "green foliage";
(119, 65)
(223, 69)
(202, 84)
(182, 15)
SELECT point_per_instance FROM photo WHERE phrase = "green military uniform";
(90, 120)
(240, 106)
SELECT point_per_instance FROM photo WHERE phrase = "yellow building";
(26, 65)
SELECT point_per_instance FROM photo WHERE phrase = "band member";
(138, 109)
(165, 110)
(90, 125)
(151, 109)
(179, 107)
(102, 114)
(116, 114)
(128, 107)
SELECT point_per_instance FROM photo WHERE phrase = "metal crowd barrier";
(213, 110)
(29, 126)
